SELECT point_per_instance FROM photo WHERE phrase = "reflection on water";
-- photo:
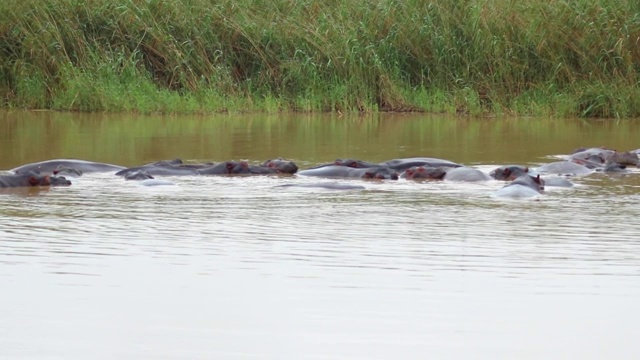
(235, 268)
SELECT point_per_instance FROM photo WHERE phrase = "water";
(233, 268)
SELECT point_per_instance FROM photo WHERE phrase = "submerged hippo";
(595, 157)
(467, 174)
(31, 178)
(281, 166)
(404, 164)
(173, 167)
(138, 175)
(624, 158)
(509, 172)
(525, 186)
(379, 172)
(564, 168)
(324, 185)
(354, 163)
(424, 173)
(48, 167)
(67, 171)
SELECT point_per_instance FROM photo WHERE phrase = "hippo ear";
(526, 169)
(506, 173)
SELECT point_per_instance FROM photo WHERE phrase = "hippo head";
(354, 163)
(237, 167)
(509, 172)
(37, 179)
(381, 173)
(612, 166)
(138, 175)
(422, 172)
(624, 158)
(538, 182)
(61, 170)
(281, 166)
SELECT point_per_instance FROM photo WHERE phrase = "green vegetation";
(542, 57)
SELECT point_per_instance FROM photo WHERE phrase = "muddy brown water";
(234, 268)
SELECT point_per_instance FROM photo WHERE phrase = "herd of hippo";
(522, 181)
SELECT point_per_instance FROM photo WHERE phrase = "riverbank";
(493, 57)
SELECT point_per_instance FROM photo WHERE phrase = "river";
(235, 268)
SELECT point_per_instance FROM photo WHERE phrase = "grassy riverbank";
(544, 57)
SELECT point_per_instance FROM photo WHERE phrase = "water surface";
(234, 268)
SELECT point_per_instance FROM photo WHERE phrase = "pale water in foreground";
(234, 268)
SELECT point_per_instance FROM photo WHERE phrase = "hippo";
(592, 153)
(424, 173)
(281, 165)
(31, 178)
(354, 163)
(324, 185)
(167, 168)
(596, 157)
(403, 164)
(624, 158)
(138, 175)
(613, 167)
(379, 172)
(47, 167)
(525, 186)
(509, 172)
(465, 173)
(557, 181)
(67, 171)
(227, 168)
(564, 168)
(154, 182)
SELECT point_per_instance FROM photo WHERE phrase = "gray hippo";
(67, 171)
(509, 172)
(49, 166)
(226, 168)
(466, 174)
(166, 168)
(398, 165)
(143, 178)
(596, 157)
(564, 168)
(525, 186)
(624, 158)
(354, 163)
(281, 166)
(424, 173)
(138, 175)
(324, 185)
(339, 171)
(403, 164)
(31, 178)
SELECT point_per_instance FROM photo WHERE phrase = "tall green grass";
(543, 57)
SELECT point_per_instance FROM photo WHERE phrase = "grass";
(493, 57)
